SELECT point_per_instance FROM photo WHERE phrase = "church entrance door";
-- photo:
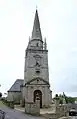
(38, 93)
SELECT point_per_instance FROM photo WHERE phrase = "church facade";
(36, 71)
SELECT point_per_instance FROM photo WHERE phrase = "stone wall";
(14, 96)
(46, 94)
(61, 110)
(29, 73)
(32, 108)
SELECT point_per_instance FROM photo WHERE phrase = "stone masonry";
(36, 71)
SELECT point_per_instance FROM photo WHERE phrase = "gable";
(37, 81)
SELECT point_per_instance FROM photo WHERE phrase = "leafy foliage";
(70, 100)
(56, 95)
(67, 99)
(0, 94)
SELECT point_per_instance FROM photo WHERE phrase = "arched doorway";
(39, 93)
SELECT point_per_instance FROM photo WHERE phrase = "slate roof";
(16, 86)
(36, 33)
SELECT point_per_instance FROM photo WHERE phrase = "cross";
(36, 6)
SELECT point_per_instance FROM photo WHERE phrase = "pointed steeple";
(36, 32)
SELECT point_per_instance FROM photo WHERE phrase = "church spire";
(36, 32)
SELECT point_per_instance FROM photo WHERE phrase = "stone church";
(36, 72)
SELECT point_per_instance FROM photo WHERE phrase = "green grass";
(1, 104)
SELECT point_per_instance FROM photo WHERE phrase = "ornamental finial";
(45, 44)
(36, 6)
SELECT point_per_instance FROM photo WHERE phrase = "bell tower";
(36, 73)
(36, 56)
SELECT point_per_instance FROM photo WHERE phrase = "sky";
(58, 20)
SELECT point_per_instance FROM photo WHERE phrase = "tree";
(60, 101)
(63, 96)
(70, 99)
(56, 95)
(0, 94)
